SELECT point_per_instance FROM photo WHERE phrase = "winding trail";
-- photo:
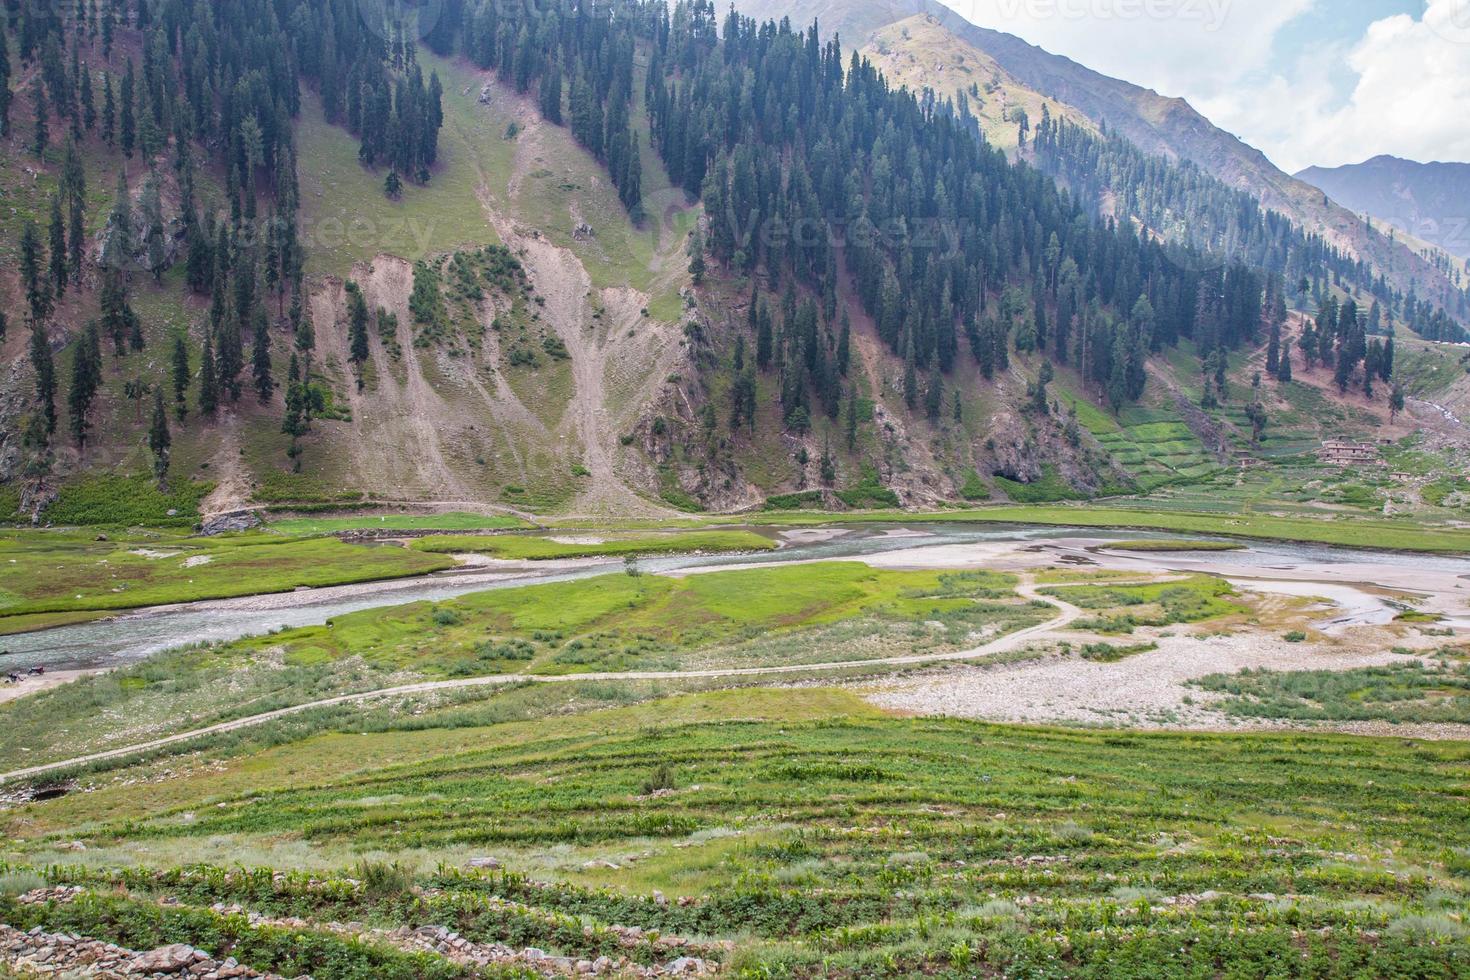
(1067, 614)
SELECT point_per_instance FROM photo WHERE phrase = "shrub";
(973, 488)
(383, 880)
(1295, 636)
(661, 778)
(806, 500)
(1050, 488)
(127, 500)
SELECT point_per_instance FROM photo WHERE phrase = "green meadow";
(780, 615)
(516, 547)
(71, 572)
(793, 833)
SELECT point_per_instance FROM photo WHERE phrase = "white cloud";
(1410, 84)
(1401, 88)
(1178, 47)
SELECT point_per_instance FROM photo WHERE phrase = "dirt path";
(1067, 614)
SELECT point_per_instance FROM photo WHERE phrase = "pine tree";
(1273, 349)
(59, 277)
(357, 336)
(155, 239)
(45, 370)
(229, 358)
(43, 136)
(86, 378)
(74, 191)
(159, 440)
(551, 94)
(208, 387)
(181, 377)
(117, 245)
(764, 341)
(109, 26)
(128, 125)
(109, 110)
(1283, 367)
(852, 419)
(89, 101)
(260, 360)
(38, 291)
(934, 399)
(199, 262)
(696, 259)
(844, 346)
(7, 98)
(393, 185)
(630, 188)
(297, 421)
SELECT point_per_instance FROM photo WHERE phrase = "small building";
(1345, 452)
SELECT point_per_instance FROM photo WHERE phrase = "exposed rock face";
(240, 520)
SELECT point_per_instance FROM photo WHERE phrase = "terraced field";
(780, 833)
(1152, 444)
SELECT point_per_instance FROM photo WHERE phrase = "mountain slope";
(920, 53)
(1158, 125)
(1427, 200)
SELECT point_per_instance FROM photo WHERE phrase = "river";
(1359, 585)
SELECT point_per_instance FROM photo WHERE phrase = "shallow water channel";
(1353, 582)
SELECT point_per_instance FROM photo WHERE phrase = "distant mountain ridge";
(1157, 124)
(1430, 201)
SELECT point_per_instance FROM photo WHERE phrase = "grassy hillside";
(790, 833)
(920, 53)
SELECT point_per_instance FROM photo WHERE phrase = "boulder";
(167, 959)
(239, 520)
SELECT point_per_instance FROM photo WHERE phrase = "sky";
(1309, 82)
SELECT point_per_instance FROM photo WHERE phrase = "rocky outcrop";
(58, 954)
(239, 520)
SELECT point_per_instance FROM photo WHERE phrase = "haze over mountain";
(1430, 201)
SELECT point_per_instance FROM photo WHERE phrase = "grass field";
(1354, 532)
(1432, 691)
(400, 522)
(817, 836)
(763, 616)
(517, 547)
(1123, 608)
(1156, 545)
(68, 573)
(622, 622)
